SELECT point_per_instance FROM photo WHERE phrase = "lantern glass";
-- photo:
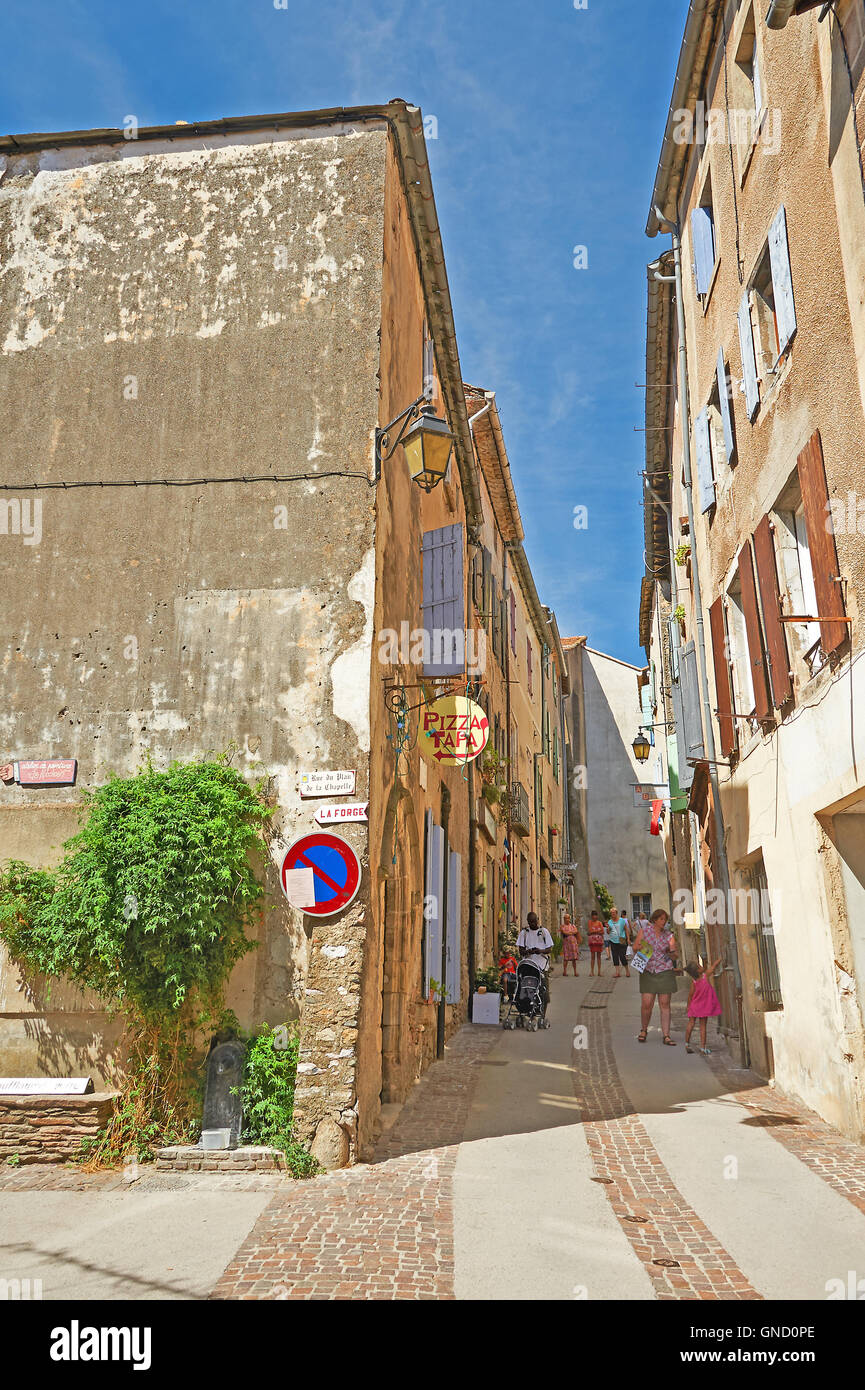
(427, 447)
(642, 748)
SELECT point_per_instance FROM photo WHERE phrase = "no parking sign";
(320, 874)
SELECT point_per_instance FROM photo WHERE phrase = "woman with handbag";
(658, 979)
(571, 942)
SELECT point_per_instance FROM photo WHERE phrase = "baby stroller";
(527, 1008)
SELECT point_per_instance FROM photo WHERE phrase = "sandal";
(688, 1047)
(668, 1041)
(641, 1037)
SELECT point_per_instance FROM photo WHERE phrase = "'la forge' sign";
(41, 772)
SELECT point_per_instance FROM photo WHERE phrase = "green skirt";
(664, 982)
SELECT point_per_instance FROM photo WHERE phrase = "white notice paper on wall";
(300, 887)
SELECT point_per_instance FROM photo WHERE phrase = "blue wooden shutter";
(433, 894)
(726, 411)
(684, 772)
(690, 690)
(705, 480)
(444, 600)
(749, 361)
(703, 237)
(454, 939)
(782, 279)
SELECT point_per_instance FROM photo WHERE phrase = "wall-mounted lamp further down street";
(426, 440)
(642, 747)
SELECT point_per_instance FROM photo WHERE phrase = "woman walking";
(658, 980)
(571, 942)
(619, 932)
(703, 1003)
(595, 930)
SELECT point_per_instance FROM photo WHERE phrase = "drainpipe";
(779, 12)
(506, 582)
(709, 732)
(471, 872)
(443, 918)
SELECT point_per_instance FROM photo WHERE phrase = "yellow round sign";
(453, 731)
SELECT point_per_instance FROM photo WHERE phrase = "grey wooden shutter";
(705, 479)
(726, 409)
(782, 279)
(702, 235)
(454, 928)
(749, 361)
(433, 905)
(685, 772)
(444, 600)
(690, 690)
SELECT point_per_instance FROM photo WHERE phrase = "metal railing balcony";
(519, 816)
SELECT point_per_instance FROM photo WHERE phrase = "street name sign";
(328, 782)
(45, 1085)
(320, 874)
(41, 772)
(342, 811)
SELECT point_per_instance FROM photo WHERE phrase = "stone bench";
(50, 1128)
(189, 1158)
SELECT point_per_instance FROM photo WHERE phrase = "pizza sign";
(453, 730)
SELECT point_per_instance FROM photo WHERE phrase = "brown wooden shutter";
(724, 696)
(759, 679)
(776, 640)
(821, 543)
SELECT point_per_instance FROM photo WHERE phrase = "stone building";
(203, 327)
(761, 169)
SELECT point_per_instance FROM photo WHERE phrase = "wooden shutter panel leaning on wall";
(726, 409)
(703, 238)
(770, 598)
(723, 692)
(762, 703)
(821, 543)
(782, 280)
(443, 599)
(705, 477)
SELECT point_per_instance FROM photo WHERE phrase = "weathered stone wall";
(174, 311)
(51, 1129)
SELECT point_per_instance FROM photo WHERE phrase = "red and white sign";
(320, 874)
(343, 811)
(43, 772)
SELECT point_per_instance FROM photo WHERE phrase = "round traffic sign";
(320, 874)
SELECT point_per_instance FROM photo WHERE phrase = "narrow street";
(520, 1168)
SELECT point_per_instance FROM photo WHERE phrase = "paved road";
(522, 1166)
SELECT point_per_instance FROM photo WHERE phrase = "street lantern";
(642, 747)
(426, 440)
(427, 448)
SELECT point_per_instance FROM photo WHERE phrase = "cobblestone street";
(522, 1166)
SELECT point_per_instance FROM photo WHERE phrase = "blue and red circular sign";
(325, 874)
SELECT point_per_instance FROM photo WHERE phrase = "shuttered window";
(770, 602)
(703, 238)
(723, 693)
(726, 408)
(443, 601)
(759, 680)
(529, 664)
(495, 611)
(433, 902)
(749, 361)
(705, 474)
(453, 971)
(821, 543)
(513, 623)
(690, 690)
(486, 603)
(782, 280)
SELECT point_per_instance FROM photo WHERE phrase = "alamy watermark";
(715, 125)
(22, 516)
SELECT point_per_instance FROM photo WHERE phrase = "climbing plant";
(148, 908)
(269, 1079)
(604, 897)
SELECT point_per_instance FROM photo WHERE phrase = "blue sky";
(550, 121)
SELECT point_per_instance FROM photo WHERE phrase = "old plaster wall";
(171, 311)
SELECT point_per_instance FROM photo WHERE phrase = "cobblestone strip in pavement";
(838, 1161)
(679, 1253)
(378, 1231)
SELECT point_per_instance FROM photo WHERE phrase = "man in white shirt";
(535, 944)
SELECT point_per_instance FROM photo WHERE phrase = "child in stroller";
(527, 1007)
(508, 974)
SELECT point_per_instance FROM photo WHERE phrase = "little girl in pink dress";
(703, 1003)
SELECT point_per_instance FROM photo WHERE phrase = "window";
(703, 240)
(723, 688)
(767, 315)
(740, 662)
(529, 665)
(556, 754)
(640, 902)
(769, 985)
(443, 605)
(749, 82)
(797, 578)
(513, 623)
